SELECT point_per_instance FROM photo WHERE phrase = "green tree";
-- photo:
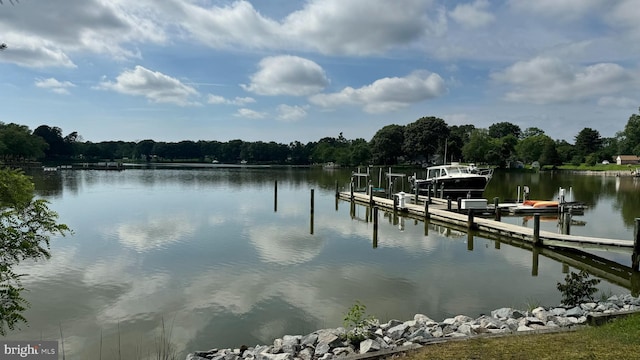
(480, 144)
(549, 154)
(502, 129)
(532, 131)
(630, 143)
(18, 143)
(587, 141)
(144, 149)
(531, 148)
(360, 153)
(425, 138)
(565, 151)
(386, 145)
(26, 225)
(458, 136)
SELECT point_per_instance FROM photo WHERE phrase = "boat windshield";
(458, 170)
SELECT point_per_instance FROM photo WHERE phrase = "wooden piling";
(536, 229)
(567, 222)
(426, 210)
(459, 204)
(496, 206)
(635, 257)
(275, 196)
(470, 223)
(311, 213)
(442, 191)
(375, 227)
(370, 194)
(351, 185)
(429, 193)
(416, 195)
(448, 203)
(337, 189)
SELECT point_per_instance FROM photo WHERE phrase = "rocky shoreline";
(398, 335)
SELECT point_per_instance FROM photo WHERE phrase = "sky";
(288, 70)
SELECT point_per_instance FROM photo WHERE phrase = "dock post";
(470, 223)
(337, 192)
(395, 203)
(635, 257)
(429, 193)
(448, 203)
(275, 196)
(496, 207)
(469, 241)
(416, 198)
(459, 204)
(536, 229)
(426, 210)
(567, 221)
(351, 185)
(311, 214)
(442, 191)
(370, 194)
(375, 227)
(312, 201)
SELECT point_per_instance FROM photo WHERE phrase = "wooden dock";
(441, 210)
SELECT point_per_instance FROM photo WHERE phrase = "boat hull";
(453, 188)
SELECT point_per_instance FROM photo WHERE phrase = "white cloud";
(355, 27)
(216, 99)
(289, 113)
(626, 14)
(49, 33)
(55, 85)
(387, 94)
(622, 102)
(361, 27)
(545, 80)
(287, 75)
(473, 15)
(250, 114)
(154, 85)
(564, 9)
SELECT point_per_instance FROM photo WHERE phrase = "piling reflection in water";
(614, 272)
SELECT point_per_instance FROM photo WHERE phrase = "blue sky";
(282, 71)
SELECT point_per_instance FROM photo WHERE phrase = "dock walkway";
(438, 210)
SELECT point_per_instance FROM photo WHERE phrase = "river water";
(220, 260)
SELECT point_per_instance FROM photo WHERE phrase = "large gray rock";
(575, 311)
(397, 331)
(369, 345)
(309, 340)
(268, 356)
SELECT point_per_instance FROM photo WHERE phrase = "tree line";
(428, 140)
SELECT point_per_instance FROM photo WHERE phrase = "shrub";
(577, 288)
(358, 322)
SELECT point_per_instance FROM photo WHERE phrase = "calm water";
(210, 253)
